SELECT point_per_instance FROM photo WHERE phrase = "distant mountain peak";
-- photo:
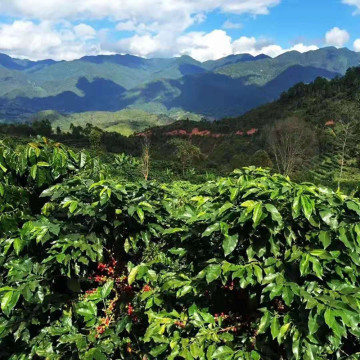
(262, 56)
(218, 88)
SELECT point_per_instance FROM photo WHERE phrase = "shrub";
(251, 266)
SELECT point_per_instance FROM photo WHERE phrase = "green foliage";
(186, 153)
(95, 138)
(42, 127)
(261, 159)
(251, 266)
(127, 167)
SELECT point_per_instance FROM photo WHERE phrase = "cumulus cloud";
(257, 7)
(39, 41)
(303, 48)
(145, 17)
(205, 46)
(124, 9)
(357, 45)
(129, 25)
(85, 31)
(142, 45)
(67, 42)
(23, 34)
(159, 27)
(253, 46)
(355, 3)
(202, 46)
(337, 37)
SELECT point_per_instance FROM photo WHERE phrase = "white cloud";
(26, 33)
(244, 45)
(231, 25)
(85, 31)
(355, 3)
(47, 39)
(357, 45)
(253, 46)
(124, 9)
(159, 27)
(205, 46)
(201, 46)
(144, 17)
(257, 7)
(142, 45)
(337, 37)
(303, 48)
(39, 41)
(129, 25)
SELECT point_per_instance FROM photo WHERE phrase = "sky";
(203, 29)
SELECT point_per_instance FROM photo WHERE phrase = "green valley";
(125, 122)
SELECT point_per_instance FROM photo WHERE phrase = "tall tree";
(95, 138)
(186, 153)
(145, 158)
(292, 143)
(261, 159)
(42, 127)
(345, 132)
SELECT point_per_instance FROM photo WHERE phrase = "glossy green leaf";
(325, 238)
(223, 352)
(257, 214)
(43, 164)
(140, 213)
(158, 350)
(210, 229)
(307, 206)
(275, 327)
(283, 331)
(213, 272)
(264, 322)
(33, 171)
(9, 301)
(132, 275)
(229, 244)
(106, 289)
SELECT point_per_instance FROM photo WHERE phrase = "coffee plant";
(251, 266)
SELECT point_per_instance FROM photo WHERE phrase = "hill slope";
(225, 87)
(317, 102)
(125, 122)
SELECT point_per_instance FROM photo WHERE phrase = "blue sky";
(203, 29)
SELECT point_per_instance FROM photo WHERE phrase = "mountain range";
(214, 89)
(317, 103)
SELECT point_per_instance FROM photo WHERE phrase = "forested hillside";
(316, 102)
(214, 89)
